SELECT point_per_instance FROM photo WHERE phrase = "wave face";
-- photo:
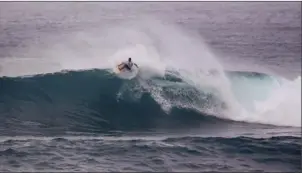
(99, 101)
(84, 100)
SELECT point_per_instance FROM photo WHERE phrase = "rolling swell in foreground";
(276, 154)
(99, 101)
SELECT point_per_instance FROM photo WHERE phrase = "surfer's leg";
(126, 66)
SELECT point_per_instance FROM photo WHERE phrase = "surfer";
(128, 65)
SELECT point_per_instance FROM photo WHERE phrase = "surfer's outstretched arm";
(136, 65)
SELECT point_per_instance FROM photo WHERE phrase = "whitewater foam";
(283, 106)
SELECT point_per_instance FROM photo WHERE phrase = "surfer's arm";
(136, 65)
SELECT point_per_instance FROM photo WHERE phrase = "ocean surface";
(218, 87)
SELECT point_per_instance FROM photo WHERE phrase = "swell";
(252, 154)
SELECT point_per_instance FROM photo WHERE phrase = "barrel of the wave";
(125, 73)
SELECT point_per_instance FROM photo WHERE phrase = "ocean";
(218, 87)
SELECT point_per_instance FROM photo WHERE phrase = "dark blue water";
(63, 109)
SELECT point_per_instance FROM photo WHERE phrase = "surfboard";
(125, 74)
(116, 70)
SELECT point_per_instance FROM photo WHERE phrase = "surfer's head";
(129, 59)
